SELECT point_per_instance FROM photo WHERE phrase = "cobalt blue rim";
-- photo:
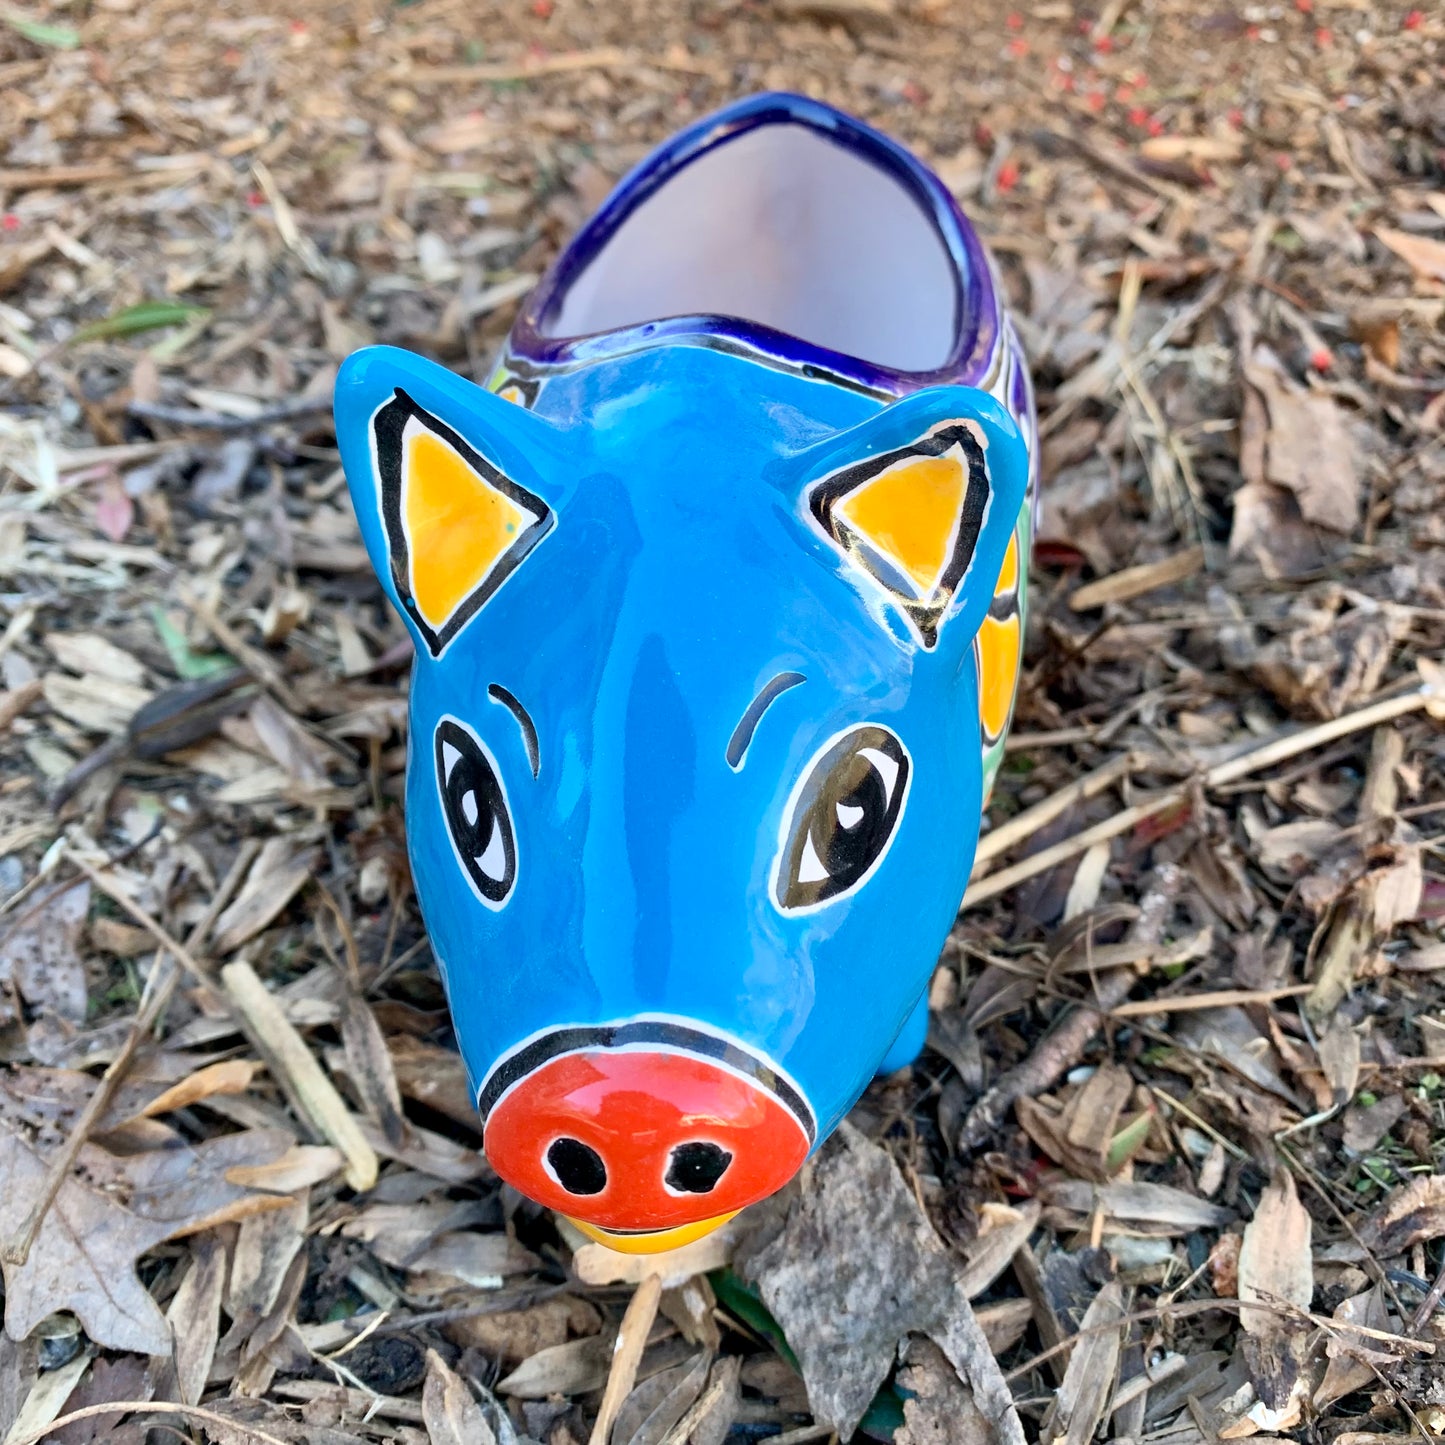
(976, 308)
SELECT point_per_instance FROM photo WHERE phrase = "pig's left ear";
(920, 501)
(449, 484)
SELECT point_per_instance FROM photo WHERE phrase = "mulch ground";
(1170, 1169)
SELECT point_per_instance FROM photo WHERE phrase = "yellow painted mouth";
(651, 1241)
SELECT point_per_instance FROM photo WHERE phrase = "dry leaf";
(39, 954)
(90, 654)
(97, 704)
(1088, 1382)
(449, 1408)
(1137, 1202)
(83, 1258)
(1396, 891)
(1275, 1265)
(230, 1076)
(1308, 450)
(278, 874)
(1413, 1214)
(845, 1326)
(1351, 1354)
(194, 1316)
(1425, 257)
(656, 1405)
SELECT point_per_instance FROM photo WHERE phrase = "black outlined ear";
(927, 511)
(456, 527)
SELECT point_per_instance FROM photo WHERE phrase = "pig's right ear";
(920, 502)
(449, 482)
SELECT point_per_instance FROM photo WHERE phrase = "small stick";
(1217, 998)
(149, 1407)
(1027, 823)
(627, 1355)
(240, 866)
(183, 955)
(216, 421)
(1276, 751)
(159, 988)
(262, 667)
(294, 1067)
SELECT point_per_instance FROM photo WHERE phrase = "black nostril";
(578, 1167)
(695, 1168)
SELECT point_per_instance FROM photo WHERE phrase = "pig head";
(694, 779)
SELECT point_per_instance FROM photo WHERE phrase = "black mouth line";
(677, 1037)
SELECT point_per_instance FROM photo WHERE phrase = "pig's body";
(697, 766)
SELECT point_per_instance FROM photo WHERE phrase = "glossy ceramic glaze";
(717, 634)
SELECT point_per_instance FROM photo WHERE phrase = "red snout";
(642, 1139)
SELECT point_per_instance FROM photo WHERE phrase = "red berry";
(1018, 46)
(1304, 6)
(1251, 32)
(1235, 117)
(1139, 116)
(1097, 101)
(1414, 20)
(254, 199)
(1124, 94)
(1015, 21)
(1324, 37)
(9, 221)
(298, 27)
(1321, 358)
(541, 8)
(1104, 44)
(1008, 176)
(1155, 126)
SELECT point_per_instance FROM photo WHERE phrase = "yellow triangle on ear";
(909, 513)
(910, 519)
(456, 525)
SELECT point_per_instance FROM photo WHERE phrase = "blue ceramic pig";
(717, 596)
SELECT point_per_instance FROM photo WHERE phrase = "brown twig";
(627, 1355)
(1060, 1048)
(117, 895)
(159, 988)
(292, 410)
(1277, 750)
(149, 1407)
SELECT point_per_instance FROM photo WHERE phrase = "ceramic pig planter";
(717, 601)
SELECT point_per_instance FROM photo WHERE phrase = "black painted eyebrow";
(498, 693)
(743, 733)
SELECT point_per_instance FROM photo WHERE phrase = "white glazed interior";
(785, 229)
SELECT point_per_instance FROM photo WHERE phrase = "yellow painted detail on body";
(909, 513)
(998, 671)
(457, 525)
(652, 1241)
(1008, 576)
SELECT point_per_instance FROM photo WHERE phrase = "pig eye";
(842, 817)
(475, 806)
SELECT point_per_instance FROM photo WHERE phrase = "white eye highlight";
(887, 768)
(849, 816)
(810, 869)
(494, 861)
